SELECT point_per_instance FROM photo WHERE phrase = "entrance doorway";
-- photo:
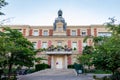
(59, 62)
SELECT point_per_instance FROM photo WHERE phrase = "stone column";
(52, 62)
(66, 62)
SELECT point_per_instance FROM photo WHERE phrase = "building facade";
(62, 43)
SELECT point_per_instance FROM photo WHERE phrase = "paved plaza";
(61, 74)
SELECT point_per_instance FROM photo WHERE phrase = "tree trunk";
(9, 70)
(113, 72)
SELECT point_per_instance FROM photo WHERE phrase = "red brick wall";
(49, 60)
(24, 32)
(78, 32)
(80, 46)
(89, 32)
(68, 32)
(39, 44)
(69, 43)
(69, 60)
(95, 32)
(50, 32)
(40, 32)
(49, 43)
(30, 32)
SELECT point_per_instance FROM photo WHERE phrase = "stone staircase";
(54, 72)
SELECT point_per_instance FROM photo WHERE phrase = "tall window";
(44, 45)
(45, 33)
(84, 44)
(60, 29)
(74, 45)
(83, 33)
(104, 33)
(34, 45)
(20, 30)
(35, 33)
(59, 43)
(73, 32)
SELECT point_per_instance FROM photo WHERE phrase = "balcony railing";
(58, 52)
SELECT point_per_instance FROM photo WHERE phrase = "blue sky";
(75, 12)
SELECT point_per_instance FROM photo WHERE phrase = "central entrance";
(58, 59)
(59, 62)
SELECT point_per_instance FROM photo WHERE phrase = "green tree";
(107, 56)
(85, 60)
(88, 50)
(2, 4)
(18, 50)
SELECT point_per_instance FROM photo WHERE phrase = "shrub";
(98, 71)
(71, 66)
(41, 66)
(115, 76)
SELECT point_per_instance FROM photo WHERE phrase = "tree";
(2, 4)
(85, 60)
(88, 50)
(107, 55)
(18, 50)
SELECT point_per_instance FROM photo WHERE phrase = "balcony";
(59, 50)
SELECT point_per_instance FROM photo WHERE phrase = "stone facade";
(60, 35)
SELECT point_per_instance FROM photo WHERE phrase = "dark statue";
(60, 19)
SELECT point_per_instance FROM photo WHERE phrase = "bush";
(30, 71)
(115, 76)
(41, 66)
(1, 72)
(71, 66)
(102, 71)
(79, 68)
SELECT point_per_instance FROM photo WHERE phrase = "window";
(44, 45)
(83, 33)
(35, 33)
(74, 45)
(20, 30)
(34, 45)
(59, 43)
(60, 29)
(104, 34)
(45, 33)
(84, 44)
(73, 32)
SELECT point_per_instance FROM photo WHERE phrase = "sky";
(75, 12)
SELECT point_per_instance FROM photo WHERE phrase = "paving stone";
(55, 74)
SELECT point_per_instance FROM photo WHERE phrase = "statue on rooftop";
(60, 19)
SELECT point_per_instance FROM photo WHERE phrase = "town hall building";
(61, 42)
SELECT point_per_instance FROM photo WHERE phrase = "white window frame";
(108, 34)
(44, 45)
(20, 30)
(83, 31)
(59, 43)
(74, 45)
(35, 32)
(60, 29)
(84, 44)
(35, 45)
(73, 33)
(45, 32)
